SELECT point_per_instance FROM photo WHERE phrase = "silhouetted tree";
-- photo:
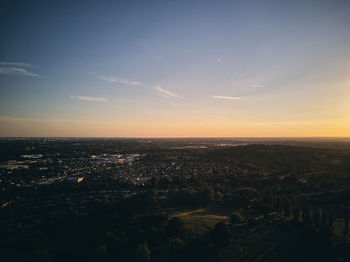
(142, 253)
(296, 214)
(346, 228)
(236, 218)
(306, 214)
(221, 234)
(207, 196)
(175, 228)
(287, 207)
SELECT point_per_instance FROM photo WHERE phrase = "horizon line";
(175, 137)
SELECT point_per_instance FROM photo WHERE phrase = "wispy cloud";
(228, 97)
(16, 64)
(46, 120)
(113, 79)
(161, 91)
(165, 93)
(17, 71)
(90, 99)
(257, 86)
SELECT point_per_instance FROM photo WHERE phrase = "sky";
(175, 68)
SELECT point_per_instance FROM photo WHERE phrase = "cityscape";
(178, 193)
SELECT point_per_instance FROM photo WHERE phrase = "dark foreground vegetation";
(174, 200)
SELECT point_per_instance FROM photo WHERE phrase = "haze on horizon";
(175, 68)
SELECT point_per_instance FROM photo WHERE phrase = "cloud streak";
(118, 80)
(161, 91)
(17, 71)
(165, 93)
(227, 97)
(16, 64)
(90, 99)
(258, 86)
(44, 120)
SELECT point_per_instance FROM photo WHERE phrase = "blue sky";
(174, 68)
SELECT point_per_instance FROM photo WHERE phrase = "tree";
(296, 214)
(221, 234)
(42, 255)
(175, 228)
(306, 214)
(100, 252)
(236, 218)
(207, 196)
(287, 207)
(148, 199)
(142, 253)
(346, 228)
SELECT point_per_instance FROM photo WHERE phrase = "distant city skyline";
(175, 68)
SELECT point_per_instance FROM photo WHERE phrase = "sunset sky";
(175, 68)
